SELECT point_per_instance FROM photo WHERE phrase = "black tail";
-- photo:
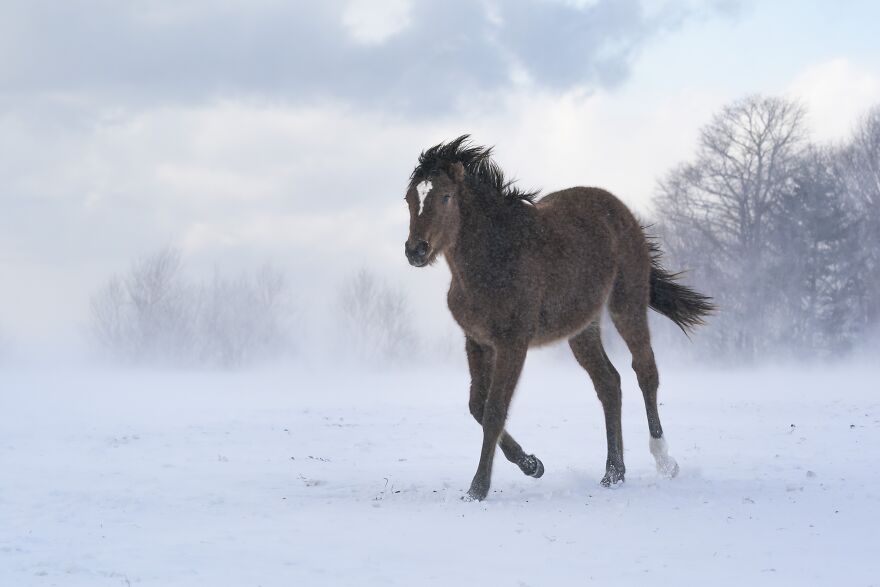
(684, 306)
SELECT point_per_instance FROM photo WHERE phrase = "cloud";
(372, 23)
(836, 93)
(246, 131)
(393, 55)
(319, 189)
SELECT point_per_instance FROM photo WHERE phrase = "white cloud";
(368, 53)
(836, 93)
(615, 140)
(372, 23)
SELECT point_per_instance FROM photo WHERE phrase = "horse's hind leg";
(588, 350)
(631, 321)
(480, 362)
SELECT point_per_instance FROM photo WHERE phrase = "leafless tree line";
(784, 232)
(375, 320)
(154, 314)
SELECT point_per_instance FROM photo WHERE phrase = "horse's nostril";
(418, 253)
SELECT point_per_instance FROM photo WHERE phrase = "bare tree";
(153, 314)
(149, 314)
(246, 318)
(816, 264)
(110, 317)
(860, 163)
(718, 212)
(375, 319)
(863, 159)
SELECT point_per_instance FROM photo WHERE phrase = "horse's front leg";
(509, 360)
(481, 361)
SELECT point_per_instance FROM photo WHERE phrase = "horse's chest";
(489, 316)
(471, 313)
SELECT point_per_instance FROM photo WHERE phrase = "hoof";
(611, 481)
(614, 477)
(472, 495)
(532, 466)
(477, 492)
(667, 467)
(469, 497)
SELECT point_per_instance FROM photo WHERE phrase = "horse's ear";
(456, 172)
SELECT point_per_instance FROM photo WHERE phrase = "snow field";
(297, 477)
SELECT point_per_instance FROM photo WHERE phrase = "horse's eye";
(446, 198)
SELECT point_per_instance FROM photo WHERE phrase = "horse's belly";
(564, 327)
(565, 313)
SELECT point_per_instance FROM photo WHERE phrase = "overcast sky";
(256, 130)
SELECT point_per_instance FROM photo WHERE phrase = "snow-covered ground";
(314, 477)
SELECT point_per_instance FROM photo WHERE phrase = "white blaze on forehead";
(423, 189)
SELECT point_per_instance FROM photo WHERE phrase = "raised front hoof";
(667, 467)
(613, 478)
(532, 466)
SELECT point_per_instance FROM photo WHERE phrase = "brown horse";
(527, 272)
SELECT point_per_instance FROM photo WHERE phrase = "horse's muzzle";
(417, 255)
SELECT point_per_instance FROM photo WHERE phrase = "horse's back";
(586, 204)
(588, 217)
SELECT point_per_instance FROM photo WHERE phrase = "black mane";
(478, 165)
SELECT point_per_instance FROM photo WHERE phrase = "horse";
(528, 271)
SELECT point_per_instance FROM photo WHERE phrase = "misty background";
(217, 366)
(192, 184)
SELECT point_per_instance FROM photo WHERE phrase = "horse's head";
(434, 215)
